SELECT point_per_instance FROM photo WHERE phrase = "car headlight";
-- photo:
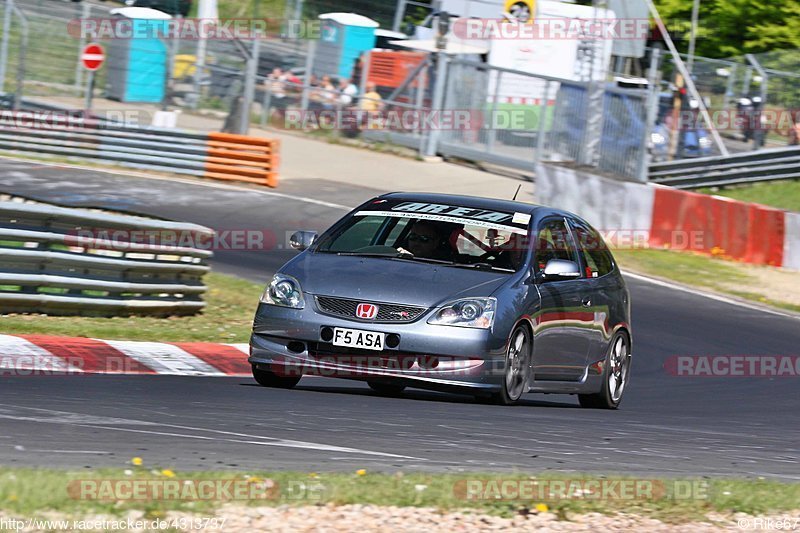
(285, 291)
(705, 142)
(467, 312)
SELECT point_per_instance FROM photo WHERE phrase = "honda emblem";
(366, 311)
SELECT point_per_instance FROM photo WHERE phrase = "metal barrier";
(211, 155)
(79, 262)
(749, 167)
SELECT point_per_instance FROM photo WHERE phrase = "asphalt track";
(667, 425)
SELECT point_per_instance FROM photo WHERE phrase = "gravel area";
(346, 518)
(389, 519)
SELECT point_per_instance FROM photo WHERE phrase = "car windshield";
(470, 240)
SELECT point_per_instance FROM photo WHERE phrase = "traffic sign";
(92, 56)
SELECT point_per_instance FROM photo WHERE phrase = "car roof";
(474, 202)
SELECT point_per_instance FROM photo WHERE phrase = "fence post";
(438, 101)
(4, 45)
(399, 13)
(595, 98)
(87, 11)
(249, 87)
(422, 87)
(312, 47)
(266, 103)
(169, 79)
(542, 116)
(651, 108)
(491, 135)
(23, 48)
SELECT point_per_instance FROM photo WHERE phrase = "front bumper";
(447, 358)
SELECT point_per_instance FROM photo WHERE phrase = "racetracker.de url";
(122, 524)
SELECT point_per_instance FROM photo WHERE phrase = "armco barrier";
(210, 155)
(78, 262)
(746, 167)
(663, 217)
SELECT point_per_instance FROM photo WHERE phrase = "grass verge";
(783, 194)
(764, 285)
(30, 491)
(228, 317)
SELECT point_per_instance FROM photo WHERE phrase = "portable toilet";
(345, 36)
(138, 66)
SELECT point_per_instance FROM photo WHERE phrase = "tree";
(735, 27)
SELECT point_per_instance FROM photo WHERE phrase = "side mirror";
(559, 269)
(300, 240)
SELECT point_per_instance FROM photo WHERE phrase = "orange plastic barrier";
(746, 232)
(242, 158)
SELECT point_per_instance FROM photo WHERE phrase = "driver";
(430, 240)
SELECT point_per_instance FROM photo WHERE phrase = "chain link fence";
(39, 48)
(753, 99)
(432, 104)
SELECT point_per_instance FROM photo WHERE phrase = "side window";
(593, 249)
(553, 241)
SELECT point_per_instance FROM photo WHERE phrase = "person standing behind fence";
(371, 101)
(328, 96)
(275, 84)
(347, 92)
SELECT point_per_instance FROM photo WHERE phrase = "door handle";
(587, 301)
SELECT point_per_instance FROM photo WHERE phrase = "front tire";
(616, 373)
(518, 367)
(265, 378)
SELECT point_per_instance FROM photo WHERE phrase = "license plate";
(356, 338)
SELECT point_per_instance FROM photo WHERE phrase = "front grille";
(346, 307)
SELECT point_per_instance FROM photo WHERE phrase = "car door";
(561, 343)
(599, 289)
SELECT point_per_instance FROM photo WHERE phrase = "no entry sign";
(92, 56)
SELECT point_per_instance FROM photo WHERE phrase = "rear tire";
(265, 378)
(386, 389)
(616, 373)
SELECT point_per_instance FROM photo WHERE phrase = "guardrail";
(65, 261)
(221, 156)
(749, 167)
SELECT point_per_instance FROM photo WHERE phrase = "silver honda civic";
(459, 294)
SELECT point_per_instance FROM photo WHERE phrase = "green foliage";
(735, 27)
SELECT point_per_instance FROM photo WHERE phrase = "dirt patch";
(771, 283)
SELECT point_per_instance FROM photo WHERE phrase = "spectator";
(276, 85)
(371, 101)
(347, 92)
(327, 93)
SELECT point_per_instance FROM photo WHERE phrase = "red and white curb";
(46, 354)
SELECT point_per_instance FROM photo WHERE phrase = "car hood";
(387, 280)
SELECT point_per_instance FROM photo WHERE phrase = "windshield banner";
(499, 220)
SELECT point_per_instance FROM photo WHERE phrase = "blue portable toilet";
(345, 36)
(137, 67)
